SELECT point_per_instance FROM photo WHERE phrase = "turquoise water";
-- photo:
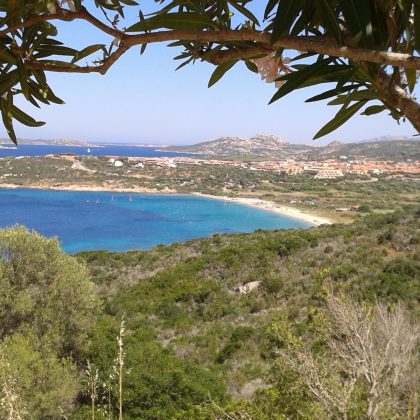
(120, 222)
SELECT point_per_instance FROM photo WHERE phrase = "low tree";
(41, 384)
(368, 363)
(44, 292)
(47, 307)
(367, 49)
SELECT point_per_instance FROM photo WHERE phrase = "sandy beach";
(312, 219)
(275, 208)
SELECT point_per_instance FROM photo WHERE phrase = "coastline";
(274, 208)
(252, 202)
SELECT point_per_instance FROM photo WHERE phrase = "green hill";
(191, 333)
(273, 325)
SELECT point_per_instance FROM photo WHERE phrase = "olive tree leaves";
(368, 24)
(19, 48)
(224, 32)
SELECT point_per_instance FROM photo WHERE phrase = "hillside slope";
(184, 312)
(381, 150)
(258, 145)
(272, 147)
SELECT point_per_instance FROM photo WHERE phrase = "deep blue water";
(134, 151)
(120, 222)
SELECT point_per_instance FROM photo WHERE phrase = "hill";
(190, 326)
(386, 138)
(227, 327)
(259, 145)
(262, 146)
(399, 150)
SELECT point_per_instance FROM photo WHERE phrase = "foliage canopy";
(47, 307)
(363, 50)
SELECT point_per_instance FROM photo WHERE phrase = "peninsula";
(314, 191)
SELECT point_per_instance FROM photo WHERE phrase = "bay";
(119, 221)
(111, 150)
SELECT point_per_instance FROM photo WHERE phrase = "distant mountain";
(47, 142)
(386, 138)
(400, 150)
(259, 145)
(267, 146)
(334, 145)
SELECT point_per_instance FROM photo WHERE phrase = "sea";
(100, 150)
(120, 222)
(85, 221)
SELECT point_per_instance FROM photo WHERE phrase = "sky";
(143, 100)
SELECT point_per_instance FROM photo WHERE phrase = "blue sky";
(142, 99)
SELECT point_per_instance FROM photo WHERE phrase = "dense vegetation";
(182, 300)
(190, 344)
(47, 309)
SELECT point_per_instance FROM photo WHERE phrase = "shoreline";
(274, 208)
(266, 205)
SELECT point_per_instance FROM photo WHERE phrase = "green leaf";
(245, 12)
(24, 118)
(297, 79)
(340, 118)
(6, 115)
(184, 63)
(88, 51)
(8, 80)
(179, 20)
(331, 93)
(220, 70)
(23, 78)
(251, 66)
(359, 95)
(411, 75)
(47, 51)
(417, 26)
(43, 92)
(7, 56)
(329, 19)
(358, 18)
(287, 12)
(58, 63)
(269, 8)
(374, 109)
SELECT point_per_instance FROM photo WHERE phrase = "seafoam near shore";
(275, 208)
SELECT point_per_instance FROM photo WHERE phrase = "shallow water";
(120, 221)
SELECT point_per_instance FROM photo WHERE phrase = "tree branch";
(67, 16)
(319, 45)
(259, 44)
(316, 44)
(399, 98)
